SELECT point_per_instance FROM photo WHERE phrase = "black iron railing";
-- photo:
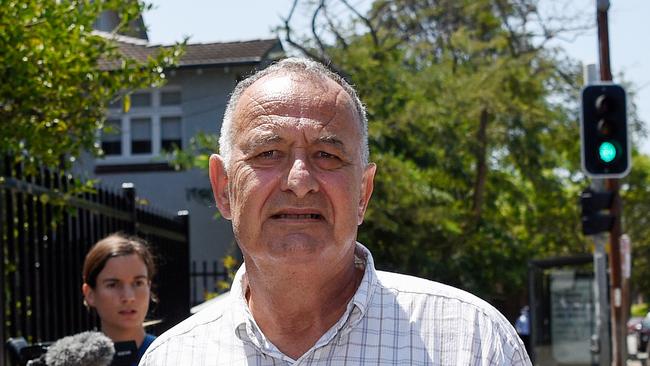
(205, 281)
(46, 228)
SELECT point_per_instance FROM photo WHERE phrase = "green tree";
(474, 126)
(636, 222)
(53, 87)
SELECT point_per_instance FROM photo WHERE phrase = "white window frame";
(155, 112)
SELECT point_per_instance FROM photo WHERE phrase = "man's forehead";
(286, 80)
(301, 98)
(287, 85)
(279, 127)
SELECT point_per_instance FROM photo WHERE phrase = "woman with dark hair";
(117, 276)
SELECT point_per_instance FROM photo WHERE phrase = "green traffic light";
(607, 152)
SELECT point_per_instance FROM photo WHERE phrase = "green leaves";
(636, 221)
(197, 154)
(53, 92)
(474, 140)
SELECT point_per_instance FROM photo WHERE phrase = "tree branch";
(513, 40)
(481, 167)
(321, 46)
(339, 38)
(305, 51)
(366, 21)
(287, 35)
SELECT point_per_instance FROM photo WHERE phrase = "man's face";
(296, 188)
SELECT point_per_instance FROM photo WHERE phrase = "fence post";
(184, 217)
(128, 189)
(2, 259)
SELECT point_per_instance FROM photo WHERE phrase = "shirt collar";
(247, 329)
(363, 295)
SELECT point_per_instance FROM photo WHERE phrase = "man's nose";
(300, 179)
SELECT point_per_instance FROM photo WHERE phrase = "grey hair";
(295, 65)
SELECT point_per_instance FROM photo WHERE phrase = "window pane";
(112, 137)
(141, 100)
(141, 128)
(171, 127)
(141, 136)
(170, 97)
(170, 132)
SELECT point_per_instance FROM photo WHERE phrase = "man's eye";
(328, 161)
(325, 155)
(271, 154)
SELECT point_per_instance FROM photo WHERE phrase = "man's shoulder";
(190, 331)
(407, 285)
(450, 313)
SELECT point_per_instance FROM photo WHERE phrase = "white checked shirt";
(392, 319)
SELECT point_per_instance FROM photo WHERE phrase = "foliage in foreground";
(53, 88)
(474, 127)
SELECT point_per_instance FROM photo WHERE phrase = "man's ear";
(367, 185)
(219, 182)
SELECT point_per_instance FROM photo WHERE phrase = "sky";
(220, 20)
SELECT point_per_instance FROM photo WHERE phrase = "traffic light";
(605, 149)
(594, 219)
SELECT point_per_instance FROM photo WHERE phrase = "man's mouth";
(297, 216)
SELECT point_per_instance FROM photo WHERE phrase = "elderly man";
(293, 177)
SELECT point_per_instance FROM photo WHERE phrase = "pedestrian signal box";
(595, 216)
(603, 131)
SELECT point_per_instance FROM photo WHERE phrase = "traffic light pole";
(603, 345)
(618, 303)
(617, 300)
(603, 40)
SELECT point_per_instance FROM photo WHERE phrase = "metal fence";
(205, 281)
(46, 229)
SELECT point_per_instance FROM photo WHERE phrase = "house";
(192, 101)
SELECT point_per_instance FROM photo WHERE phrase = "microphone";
(82, 349)
(126, 353)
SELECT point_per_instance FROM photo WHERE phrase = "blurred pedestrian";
(522, 326)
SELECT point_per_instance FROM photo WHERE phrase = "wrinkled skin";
(295, 188)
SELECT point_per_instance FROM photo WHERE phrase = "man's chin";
(299, 248)
(296, 245)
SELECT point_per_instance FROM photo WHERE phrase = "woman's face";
(121, 294)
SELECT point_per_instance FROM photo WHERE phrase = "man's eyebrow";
(262, 140)
(331, 140)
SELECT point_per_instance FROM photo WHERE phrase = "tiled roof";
(205, 54)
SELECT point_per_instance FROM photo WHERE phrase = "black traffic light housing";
(604, 138)
(594, 217)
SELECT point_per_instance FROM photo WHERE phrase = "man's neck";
(294, 311)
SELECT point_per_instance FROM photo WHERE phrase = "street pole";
(603, 39)
(602, 314)
(619, 352)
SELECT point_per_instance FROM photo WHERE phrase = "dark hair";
(116, 245)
